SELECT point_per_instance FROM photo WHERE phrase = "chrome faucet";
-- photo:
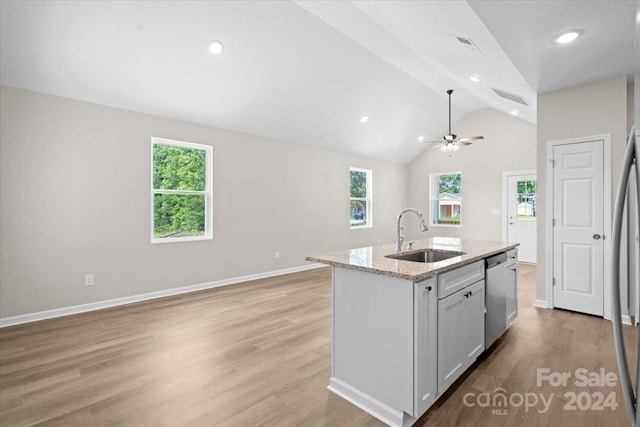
(423, 226)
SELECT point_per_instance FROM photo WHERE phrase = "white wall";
(594, 109)
(509, 144)
(74, 199)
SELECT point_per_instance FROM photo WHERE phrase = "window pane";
(358, 212)
(450, 184)
(446, 208)
(177, 215)
(446, 211)
(358, 184)
(526, 200)
(179, 168)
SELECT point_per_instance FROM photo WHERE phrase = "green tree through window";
(180, 191)
(450, 183)
(360, 197)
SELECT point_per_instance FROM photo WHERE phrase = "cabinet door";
(511, 291)
(472, 322)
(450, 348)
(425, 363)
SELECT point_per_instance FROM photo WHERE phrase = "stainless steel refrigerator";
(630, 172)
(628, 197)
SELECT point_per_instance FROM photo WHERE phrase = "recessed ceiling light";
(474, 78)
(364, 119)
(421, 138)
(515, 112)
(216, 48)
(567, 37)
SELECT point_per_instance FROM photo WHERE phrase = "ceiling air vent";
(511, 97)
(466, 42)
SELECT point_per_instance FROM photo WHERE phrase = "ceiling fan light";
(455, 147)
(444, 148)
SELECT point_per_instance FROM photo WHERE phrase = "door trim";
(606, 138)
(505, 190)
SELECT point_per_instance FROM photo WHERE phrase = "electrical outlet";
(88, 279)
(277, 255)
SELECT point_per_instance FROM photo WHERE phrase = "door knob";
(511, 223)
(596, 236)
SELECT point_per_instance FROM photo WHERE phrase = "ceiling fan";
(450, 141)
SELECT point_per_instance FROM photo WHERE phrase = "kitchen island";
(407, 324)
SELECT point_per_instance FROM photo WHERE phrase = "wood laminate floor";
(259, 354)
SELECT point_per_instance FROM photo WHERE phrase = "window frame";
(434, 185)
(368, 199)
(207, 192)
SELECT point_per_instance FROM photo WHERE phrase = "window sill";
(155, 240)
(446, 225)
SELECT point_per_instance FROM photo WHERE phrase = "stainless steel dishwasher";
(501, 289)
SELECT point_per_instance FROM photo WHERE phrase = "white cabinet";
(384, 356)
(449, 340)
(460, 329)
(373, 347)
(425, 358)
(472, 323)
(398, 345)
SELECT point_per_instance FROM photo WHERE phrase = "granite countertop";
(372, 258)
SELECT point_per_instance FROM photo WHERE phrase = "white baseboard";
(626, 319)
(83, 308)
(540, 303)
(384, 413)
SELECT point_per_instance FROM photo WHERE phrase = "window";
(526, 200)
(360, 200)
(446, 198)
(180, 191)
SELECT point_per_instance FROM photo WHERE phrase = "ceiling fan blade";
(438, 146)
(470, 138)
(431, 142)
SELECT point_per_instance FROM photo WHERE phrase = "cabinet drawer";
(454, 280)
(512, 256)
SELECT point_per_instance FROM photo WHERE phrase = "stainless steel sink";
(429, 255)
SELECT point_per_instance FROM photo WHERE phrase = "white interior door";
(521, 215)
(578, 226)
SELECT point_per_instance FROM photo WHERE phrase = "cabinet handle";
(429, 288)
(470, 293)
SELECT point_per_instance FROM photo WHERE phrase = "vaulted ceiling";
(306, 71)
